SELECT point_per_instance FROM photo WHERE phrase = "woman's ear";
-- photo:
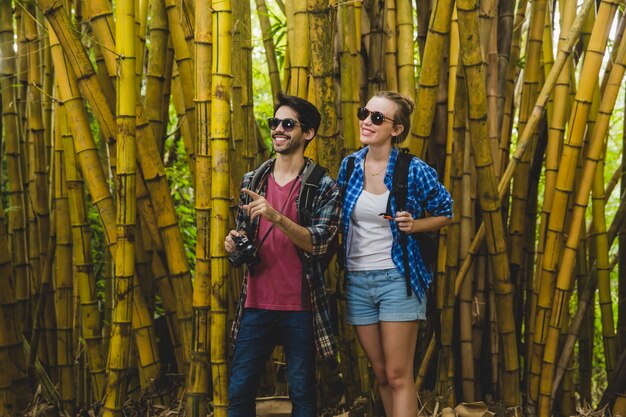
(397, 130)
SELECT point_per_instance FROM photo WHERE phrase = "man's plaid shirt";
(425, 193)
(323, 226)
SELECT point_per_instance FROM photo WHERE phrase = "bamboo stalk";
(220, 195)
(406, 66)
(15, 174)
(489, 198)
(155, 70)
(532, 124)
(561, 296)
(83, 268)
(63, 301)
(349, 84)
(438, 30)
(391, 46)
(120, 345)
(199, 369)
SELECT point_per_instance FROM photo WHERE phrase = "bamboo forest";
(127, 126)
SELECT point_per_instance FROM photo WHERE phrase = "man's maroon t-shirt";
(277, 281)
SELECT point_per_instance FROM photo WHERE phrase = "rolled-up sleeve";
(433, 195)
(325, 222)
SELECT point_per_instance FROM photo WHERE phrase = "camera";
(245, 252)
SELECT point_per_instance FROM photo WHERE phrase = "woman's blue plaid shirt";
(425, 193)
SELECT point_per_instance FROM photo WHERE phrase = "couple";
(283, 298)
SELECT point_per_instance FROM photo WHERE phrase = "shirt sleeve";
(432, 195)
(325, 221)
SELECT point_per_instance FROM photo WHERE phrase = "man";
(283, 299)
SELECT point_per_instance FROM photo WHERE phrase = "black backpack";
(311, 177)
(426, 241)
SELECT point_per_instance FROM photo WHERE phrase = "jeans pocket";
(393, 275)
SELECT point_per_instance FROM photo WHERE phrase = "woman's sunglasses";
(377, 117)
(288, 124)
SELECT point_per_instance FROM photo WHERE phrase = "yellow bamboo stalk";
(37, 174)
(438, 31)
(100, 15)
(239, 72)
(603, 264)
(491, 68)
(15, 174)
(153, 173)
(349, 84)
(557, 121)
(591, 64)
(63, 275)
(250, 154)
(320, 32)
(552, 262)
(298, 44)
(524, 137)
(79, 61)
(184, 62)
(88, 159)
(83, 268)
(199, 367)
(220, 195)
(119, 351)
(406, 52)
(391, 46)
(489, 198)
(155, 70)
(464, 213)
(374, 39)
(269, 47)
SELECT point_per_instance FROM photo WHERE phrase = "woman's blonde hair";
(403, 114)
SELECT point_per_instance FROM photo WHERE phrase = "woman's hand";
(404, 219)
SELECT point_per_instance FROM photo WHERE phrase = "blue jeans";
(260, 331)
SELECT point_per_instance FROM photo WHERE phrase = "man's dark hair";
(308, 115)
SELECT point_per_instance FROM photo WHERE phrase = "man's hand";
(260, 207)
(229, 243)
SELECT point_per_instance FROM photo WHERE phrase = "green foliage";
(181, 188)
(263, 103)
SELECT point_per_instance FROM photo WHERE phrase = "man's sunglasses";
(288, 124)
(377, 117)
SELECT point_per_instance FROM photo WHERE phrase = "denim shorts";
(380, 295)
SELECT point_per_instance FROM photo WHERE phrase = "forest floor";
(280, 406)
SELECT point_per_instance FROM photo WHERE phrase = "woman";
(384, 313)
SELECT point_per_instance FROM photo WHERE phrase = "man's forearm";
(299, 235)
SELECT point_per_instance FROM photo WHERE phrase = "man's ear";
(309, 134)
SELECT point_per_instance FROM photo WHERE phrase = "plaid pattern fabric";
(425, 193)
(323, 226)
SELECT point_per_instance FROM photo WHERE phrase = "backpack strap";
(258, 173)
(399, 189)
(311, 179)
